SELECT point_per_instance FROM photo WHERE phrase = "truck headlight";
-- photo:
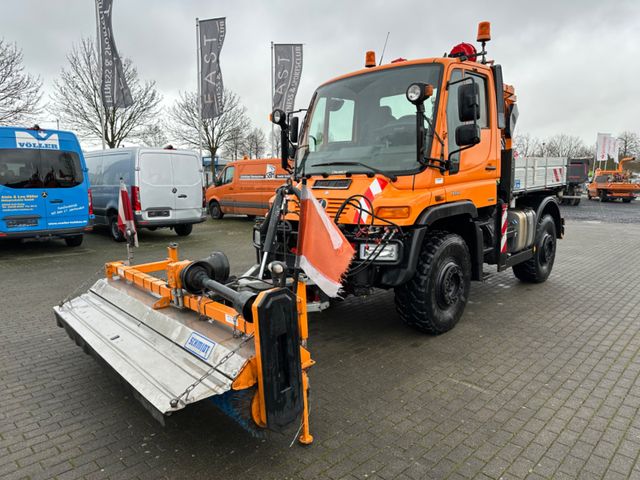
(386, 253)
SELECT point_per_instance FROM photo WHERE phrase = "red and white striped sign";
(503, 238)
(125, 214)
(366, 203)
(557, 174)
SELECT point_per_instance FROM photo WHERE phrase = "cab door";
(473, 171)
(226, 190)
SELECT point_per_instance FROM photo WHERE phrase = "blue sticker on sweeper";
(200, 345)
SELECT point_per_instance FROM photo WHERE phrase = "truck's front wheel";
(434, 299)
(538, 268)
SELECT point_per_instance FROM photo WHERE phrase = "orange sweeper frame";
(263, 336)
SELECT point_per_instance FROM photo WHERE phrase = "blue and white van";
(44, 186)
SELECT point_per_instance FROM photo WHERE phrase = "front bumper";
(381, 274)
(46, 234)
(163, 222)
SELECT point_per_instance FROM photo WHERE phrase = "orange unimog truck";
(413, 161)
(613, 184)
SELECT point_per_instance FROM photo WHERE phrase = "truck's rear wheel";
(434, 299)
(215, 210)
(538, 268)
(576, 201)
(183, 230)
(115, 232)
(74, 241)
(627, 200)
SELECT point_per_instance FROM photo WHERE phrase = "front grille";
(338, 184)
(333, 204)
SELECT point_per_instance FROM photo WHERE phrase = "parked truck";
(413, 160)
(566, 177)
(614, 184)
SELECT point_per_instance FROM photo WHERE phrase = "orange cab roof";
(441, 60)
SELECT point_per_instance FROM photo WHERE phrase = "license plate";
(158, 213)
(25, 222)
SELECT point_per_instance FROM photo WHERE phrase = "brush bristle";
(236, 404)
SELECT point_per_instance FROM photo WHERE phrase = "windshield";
(35, 168)
(367, 119)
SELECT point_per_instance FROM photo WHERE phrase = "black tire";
(627, 200)
(74, 241)
(603, 196)
(184, 229)
(115, 232)
(215, 210)
(434, 299)
(538, 268)
(576, 202)
(251, 218)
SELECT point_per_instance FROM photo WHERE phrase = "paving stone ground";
(536, 381)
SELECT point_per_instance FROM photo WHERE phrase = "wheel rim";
(115, 232)
(214, 210)
(449, 285)
(547, 249)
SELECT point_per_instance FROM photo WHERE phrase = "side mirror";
(467, 135)
(293, 129)
(469, 102)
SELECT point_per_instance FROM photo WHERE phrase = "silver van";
(165, 187)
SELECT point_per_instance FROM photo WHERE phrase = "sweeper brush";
(187, 334)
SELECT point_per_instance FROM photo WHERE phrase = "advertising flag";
(113, 88)
(211, 38)
(287, 61)
(325, 254)
(602, 147)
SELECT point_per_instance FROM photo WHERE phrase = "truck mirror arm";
(428, 162)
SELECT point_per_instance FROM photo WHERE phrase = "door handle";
(57, 200)
(490, 167)
(182, 196)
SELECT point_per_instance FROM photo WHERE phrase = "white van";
(165, 187)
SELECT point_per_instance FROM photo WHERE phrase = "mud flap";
(280, 358)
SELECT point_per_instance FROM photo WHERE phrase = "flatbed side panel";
(158, 369)
(539, 173)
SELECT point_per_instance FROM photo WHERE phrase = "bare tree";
(77, 100)
(234, 144)
(563, 145)
(629, 144)
(527, 145)
(19, 92)
(187, 126)
(154, 135)
(275, 143)
(256, 143)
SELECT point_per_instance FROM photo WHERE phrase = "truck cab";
(413, 161)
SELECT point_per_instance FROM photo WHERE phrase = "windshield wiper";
(390, 176)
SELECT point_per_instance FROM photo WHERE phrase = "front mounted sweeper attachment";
(189, 334)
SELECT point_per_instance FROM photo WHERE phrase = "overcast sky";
(574, 64)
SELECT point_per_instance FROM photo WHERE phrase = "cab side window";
(453, 120)
(227, 175)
